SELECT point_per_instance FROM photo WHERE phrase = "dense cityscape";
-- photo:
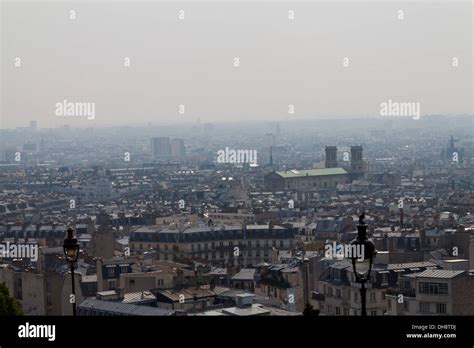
(236, 219)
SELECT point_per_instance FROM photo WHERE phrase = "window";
(338, 310)
(338, 293)
(112, 284)
(345, 311)
(329, 309)
(111, 271)
(433, 288)
(406, 285)
(441, 308)
(384, 278)
(356, 296)
(389, 304)
(373, 313)
(424, 307)
(329, 291)
(373, 297)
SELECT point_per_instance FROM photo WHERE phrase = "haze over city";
(140, 62)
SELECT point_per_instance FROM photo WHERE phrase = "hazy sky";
(190, 61)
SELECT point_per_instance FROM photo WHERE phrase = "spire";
(271, 156)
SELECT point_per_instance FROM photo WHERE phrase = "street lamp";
(363, 253)
(71, 251)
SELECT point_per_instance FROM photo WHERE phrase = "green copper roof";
(295, 173)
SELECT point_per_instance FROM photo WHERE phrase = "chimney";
(244, 300)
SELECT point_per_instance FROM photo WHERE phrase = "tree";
(8, 304)
(309, 311)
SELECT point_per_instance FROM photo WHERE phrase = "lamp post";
(71, 251)
(363, 253)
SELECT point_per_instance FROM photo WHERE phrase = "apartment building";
(223, 245)
(339, 294)
(434, 292)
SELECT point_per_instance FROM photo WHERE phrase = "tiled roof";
(407, 265)
(438, 273)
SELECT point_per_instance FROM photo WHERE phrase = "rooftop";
(245, 274)
(438, 273)
(311, 172)
(119, 308)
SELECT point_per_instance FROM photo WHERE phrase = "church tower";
(331, 156)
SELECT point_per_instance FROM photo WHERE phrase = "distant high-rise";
(331, 156)
(160, 147)
(33, 125)
(177, 148)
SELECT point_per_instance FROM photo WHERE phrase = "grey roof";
(341, 264)
(138, 296)
(255, 309)
(438, 273)
(245, 274)
(120, 308)
(393, 266)
(217, 271)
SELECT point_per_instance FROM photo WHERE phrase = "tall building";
(331, 156)
(357, 163)
(160, 147)
(177, 149)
